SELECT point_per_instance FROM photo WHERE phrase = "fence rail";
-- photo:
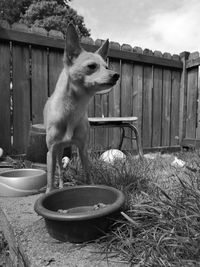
(153, 87)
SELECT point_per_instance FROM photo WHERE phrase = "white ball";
(1, 152)
(65, 161)
(111, 155)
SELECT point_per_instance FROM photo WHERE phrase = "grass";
(3, 250)
(160, 223)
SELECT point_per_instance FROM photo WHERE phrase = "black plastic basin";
(81, 213)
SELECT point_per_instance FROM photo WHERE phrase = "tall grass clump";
(160, 223)
(130, 176)
(160, 230)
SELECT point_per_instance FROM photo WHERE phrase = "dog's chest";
(73, 112)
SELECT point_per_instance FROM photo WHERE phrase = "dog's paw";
(60, 186)
(49, 189)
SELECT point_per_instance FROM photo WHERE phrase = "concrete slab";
(31, 246)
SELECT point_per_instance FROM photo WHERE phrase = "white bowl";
(22, 182)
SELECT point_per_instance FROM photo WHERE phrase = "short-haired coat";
(65, 112)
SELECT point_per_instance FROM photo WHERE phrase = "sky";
(166, 25)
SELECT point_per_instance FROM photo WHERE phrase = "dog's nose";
(115, 77)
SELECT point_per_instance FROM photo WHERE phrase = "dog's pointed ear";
(72, 45)
(103, 50)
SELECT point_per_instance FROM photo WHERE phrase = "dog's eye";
(92, 66)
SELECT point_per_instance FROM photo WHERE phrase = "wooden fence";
(160, 89)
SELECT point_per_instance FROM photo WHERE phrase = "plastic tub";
(80, 220)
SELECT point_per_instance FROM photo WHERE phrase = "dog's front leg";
(83, 153)
(60, 166)
(82, 138)
(51, 165)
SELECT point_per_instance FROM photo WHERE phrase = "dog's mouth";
(110, 83)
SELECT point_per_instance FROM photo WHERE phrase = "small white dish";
(22, 182)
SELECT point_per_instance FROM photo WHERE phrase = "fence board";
(126, 94)
(55, 66)
(157, 107)
(166, 105)
(101, 134)
(114, 100)
(147, 105)
(198, 106)
(175, 102)
(91, 113)
(5, 118)
(39, 75)
(21, 97)
(91, 108)
(138, 92)
(191, 103)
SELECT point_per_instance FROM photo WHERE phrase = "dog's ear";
(72, 45)
(103, 50)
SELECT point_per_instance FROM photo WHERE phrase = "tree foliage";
(48, 14)
(11, 10)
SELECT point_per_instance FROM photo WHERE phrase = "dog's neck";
(67, 90)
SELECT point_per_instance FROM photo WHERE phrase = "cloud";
(170, 26)
(90, 21)
(177, 30)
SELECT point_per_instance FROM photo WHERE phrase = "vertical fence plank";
(175, 102)
(191, 103)
(157, 104)
(147, 104)
(55, 66)
(183, 97)
(21, 97)
(126, 93)
(101, 134)
(39, 75)
(91, 108)
(5, 119)
(198, 107)
(55, 62)
(91, 113)
(114, 99)
(166, 106)
(138, 92)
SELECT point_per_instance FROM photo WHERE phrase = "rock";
(178, 163)
(111, 155)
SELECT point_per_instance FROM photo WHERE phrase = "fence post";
(183, 97)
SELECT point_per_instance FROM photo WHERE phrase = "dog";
(65, 112)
